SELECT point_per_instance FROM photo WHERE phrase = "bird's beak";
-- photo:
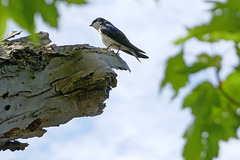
(90, 25)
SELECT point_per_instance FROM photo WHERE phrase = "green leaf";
(3, 19)
(225, 24)
(74, 1)
(174, 74)
(204, 61)
(177, 71)
(201, 100)
(23, 13)
(48, 12)
(216, 110)
(197, 100)
(214, 121)
(230, 4)
(232, 85)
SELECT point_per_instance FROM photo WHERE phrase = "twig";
(224, 93)
(231, 100)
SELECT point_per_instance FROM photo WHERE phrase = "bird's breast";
(107, 41)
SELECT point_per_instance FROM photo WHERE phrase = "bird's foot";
(105, 49)
(117, 53)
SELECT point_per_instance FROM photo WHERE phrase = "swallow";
(113, 38)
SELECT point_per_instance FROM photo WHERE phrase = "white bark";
(46, 85)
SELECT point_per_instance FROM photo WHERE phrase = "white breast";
(107, 41)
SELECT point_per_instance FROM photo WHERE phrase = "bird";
(113, 38)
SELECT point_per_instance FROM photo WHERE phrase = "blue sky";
(139, 123)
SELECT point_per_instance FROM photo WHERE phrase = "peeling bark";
(44, 85)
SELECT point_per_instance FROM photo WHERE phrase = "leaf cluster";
(216, 108)
(23, 12)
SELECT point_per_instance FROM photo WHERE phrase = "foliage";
(23, 12)
(174, 71)
(216, 108)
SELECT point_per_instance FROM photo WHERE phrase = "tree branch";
(44, 85)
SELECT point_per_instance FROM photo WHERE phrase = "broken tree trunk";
(44, 85)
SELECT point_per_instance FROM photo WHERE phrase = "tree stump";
(44, 85)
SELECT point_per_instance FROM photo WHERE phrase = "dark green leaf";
(214, 121)
(48, 11)
(22, 14)
(174, 74)
(232, 85)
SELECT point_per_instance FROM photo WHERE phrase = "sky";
(139, 122)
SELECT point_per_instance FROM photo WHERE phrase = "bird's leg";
(118, 49)
(109, 46)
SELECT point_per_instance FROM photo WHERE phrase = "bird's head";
(97, 22)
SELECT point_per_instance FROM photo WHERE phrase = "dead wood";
(44, 85)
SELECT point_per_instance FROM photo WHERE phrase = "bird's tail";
(136, 54)
(140, 55)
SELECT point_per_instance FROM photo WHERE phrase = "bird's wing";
(118, 36)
